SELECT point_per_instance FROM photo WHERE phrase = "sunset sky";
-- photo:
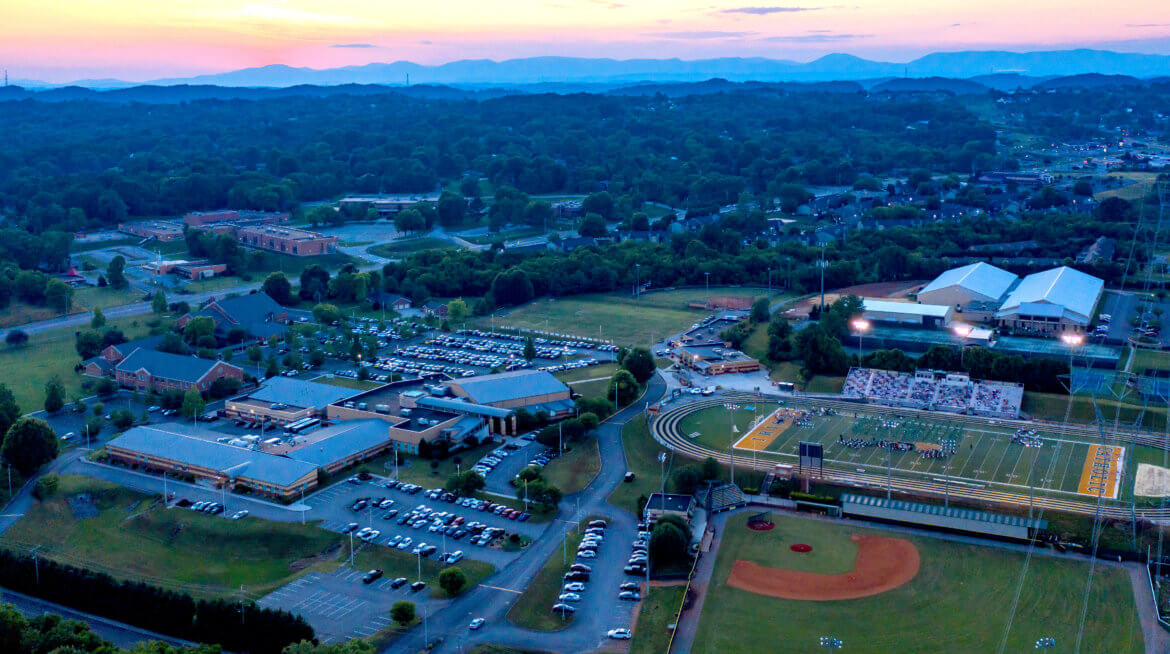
(62, 40)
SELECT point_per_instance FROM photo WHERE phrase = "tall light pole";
(822, 266)
(963, 331)
(638, 280)
(707, 277)
(769, 282)
(860, 325)
(731, 435)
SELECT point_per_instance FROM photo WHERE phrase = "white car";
(586, 554)
(476, 624)
(619, 634)
(569, 597)
(239, 514)
(574, 587)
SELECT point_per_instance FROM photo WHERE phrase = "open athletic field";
(619, 316)
(958, 601)
(984, 452)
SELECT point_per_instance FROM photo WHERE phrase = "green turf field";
(984, 451)
(959, 601)
(618, 316)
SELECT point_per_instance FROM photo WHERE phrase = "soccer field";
(960, 600)
(983, 450)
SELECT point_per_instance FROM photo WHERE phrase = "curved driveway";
(599, 609)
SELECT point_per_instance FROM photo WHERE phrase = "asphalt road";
(599, 610)
(124, 311)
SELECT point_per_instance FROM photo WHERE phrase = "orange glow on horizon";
(140, 39)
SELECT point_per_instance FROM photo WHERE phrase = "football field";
(964, 448)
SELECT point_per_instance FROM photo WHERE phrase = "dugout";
(966, 521)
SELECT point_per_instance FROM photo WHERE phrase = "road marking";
(506, 590)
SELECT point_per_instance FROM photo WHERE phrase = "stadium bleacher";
(935, 390)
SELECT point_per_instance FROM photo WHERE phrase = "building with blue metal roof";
(194, 452)
(1051, 302)
(509, 390)
(976, 282)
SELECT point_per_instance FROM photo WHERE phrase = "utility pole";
(241, 603)
(822, 277)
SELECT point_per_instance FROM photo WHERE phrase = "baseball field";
(911, 594)
(973, 450)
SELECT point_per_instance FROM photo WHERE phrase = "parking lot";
(333, 506)
(339, 606)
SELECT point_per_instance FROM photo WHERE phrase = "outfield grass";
(133, 537)
(618, 316)
(602, 371)
(396, 563)
(574, 470)
(410, 246)
(532, 610)
(659, 609)
(958, 602)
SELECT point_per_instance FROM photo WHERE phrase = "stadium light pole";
(822, 267)
(707, 277)
(860, 325)
(731, 434)
(962, 331)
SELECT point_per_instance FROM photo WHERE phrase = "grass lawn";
(293, 266)
(592, 389)
(642, 460)
(532, 610)
(133, 537)
(19, 313)
(1144, 360)
(87, 298)
(51, 353)
(346, 382)
(618, 316)
(659, 608)
(1052, 406)
(419, 471)
(410, 246)
(959, 600)
(398, 563)
(213, 284)
(605, 370)
(574, 470)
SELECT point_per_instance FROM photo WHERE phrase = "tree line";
(236, 626)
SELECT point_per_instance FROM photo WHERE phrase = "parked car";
(620, 634)
(476, 624)
(417, 586)
(372, 576)
(398, 583)
(630, 595)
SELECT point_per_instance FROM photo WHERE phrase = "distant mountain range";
(154, 94)
(569, 70)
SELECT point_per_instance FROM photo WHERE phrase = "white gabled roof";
(905, 308)
(981, 278)
(1064, 290)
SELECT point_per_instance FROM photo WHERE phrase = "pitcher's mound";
(882, 564)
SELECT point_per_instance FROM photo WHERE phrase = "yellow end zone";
(769, 429)
(1102, 471)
